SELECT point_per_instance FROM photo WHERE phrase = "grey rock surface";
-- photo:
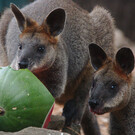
(35, 131)
(57, 122)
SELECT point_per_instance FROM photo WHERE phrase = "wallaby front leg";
(89, 123)
(76, 110)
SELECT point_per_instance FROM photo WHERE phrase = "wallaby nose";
(93, 103)
(23, 64)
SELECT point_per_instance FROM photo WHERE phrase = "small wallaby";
(113, 88)
(51, 38)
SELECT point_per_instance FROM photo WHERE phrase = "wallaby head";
(38, 42)
(110, 90)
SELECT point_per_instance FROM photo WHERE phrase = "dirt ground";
(103, 120)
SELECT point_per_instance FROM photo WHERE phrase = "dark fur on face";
(38, 44)
(111, 83)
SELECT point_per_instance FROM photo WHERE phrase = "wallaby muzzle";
(23, 64)
(96, 106)
(93, 103)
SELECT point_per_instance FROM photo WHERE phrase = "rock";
(74, 129)
(35, 131)
(57, 122)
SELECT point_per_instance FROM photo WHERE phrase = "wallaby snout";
(93, 103)
(96, 106)
(23, 64)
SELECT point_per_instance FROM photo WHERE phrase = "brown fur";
(67, 95)
(121, 74)
(42, 76)
(116, 68)
(35, 28)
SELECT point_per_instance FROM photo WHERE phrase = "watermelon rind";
(24, 100)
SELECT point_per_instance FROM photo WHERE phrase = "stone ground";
(34, 131)
(104, 123)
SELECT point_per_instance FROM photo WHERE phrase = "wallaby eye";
(41, 49)
(20, 46)
(113, 86)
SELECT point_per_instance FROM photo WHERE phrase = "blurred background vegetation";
(122, 11)
(6, 3)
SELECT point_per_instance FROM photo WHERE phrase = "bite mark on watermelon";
(48, 117)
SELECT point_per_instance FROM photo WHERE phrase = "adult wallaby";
(113, 88)
(51, 38)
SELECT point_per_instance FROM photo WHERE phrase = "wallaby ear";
(125, 59)
(97, 56)
(21, 20)
(55, 21)
(19, 16)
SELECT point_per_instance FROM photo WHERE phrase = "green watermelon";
(24, 100)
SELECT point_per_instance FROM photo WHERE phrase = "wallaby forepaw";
(71, 113)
